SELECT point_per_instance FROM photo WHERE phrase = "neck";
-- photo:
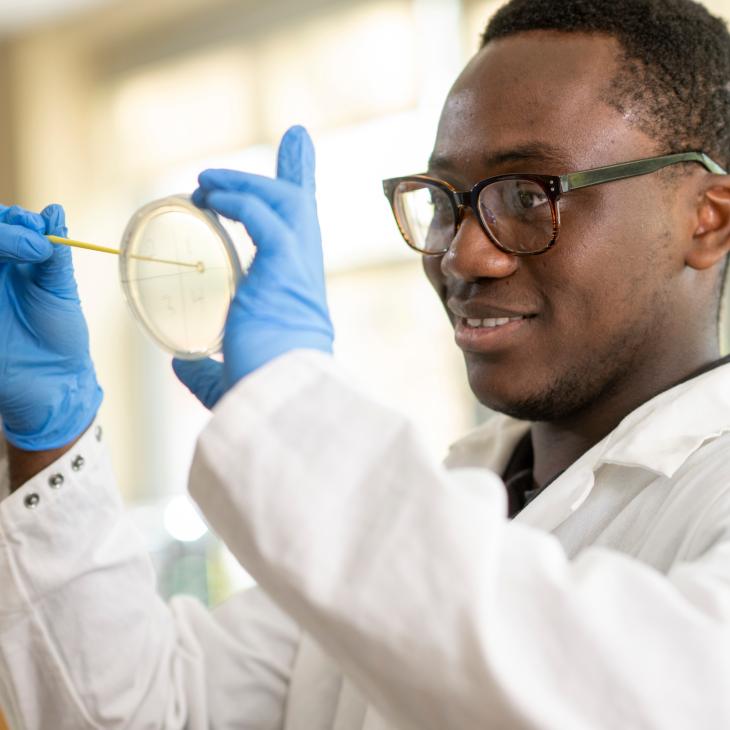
(557, 444)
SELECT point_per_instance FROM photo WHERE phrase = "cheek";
(617, 258)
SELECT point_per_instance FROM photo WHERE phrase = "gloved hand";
(48, 389)
(280, 305)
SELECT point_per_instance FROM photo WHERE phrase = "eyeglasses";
(519, 213)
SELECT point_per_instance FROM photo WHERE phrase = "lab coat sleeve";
(85, 641)
(446, 614)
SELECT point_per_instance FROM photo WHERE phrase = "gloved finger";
(203, 378)
(17, 216)
(198, 197)
(20, 244)
(295, 161)
(54, 218)
(56, 274)
(268, 231)
(279, 194)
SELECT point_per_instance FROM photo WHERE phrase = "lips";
(478, 309)
(484, 327)
(487, 337)
(491, 322)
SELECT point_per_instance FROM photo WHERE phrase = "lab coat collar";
(664, 432)
(660, 435)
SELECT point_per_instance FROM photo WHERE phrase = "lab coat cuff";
(58, 486)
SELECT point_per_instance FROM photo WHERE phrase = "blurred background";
(108, 104)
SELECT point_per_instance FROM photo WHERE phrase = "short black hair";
(675, 63)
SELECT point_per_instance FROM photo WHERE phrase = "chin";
(498, 388)
(528, 395)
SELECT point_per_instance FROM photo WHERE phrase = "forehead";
(540, 91)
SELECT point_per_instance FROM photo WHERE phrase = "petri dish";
(179, 269)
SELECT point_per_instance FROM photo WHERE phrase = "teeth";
(491, 322)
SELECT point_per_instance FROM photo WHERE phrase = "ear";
(711, 238)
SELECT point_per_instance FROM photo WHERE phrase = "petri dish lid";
(179, 269)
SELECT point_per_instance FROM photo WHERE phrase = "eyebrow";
(532, 152)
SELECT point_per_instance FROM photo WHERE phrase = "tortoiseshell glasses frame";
(552, 186)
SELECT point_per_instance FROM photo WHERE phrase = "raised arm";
(446, 614)
(48, 389)
(443, 612)
(85, 641)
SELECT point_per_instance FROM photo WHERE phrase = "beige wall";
(8, 135)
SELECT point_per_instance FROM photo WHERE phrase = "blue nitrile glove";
(280, 305)
(48, 389)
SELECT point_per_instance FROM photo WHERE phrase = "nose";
(472, 255)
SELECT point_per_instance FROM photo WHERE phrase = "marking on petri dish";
(177, 273)
(163, 261)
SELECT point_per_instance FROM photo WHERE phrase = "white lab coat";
(420, 605)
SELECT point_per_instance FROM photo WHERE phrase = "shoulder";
(702, 487)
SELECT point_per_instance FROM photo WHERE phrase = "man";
(405, 596)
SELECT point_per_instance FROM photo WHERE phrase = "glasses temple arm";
(624, 170)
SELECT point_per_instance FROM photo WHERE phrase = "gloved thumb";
(295, 161)
(56, 274)
(203, 378)
(55, 219)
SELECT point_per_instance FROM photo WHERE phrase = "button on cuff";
(56, 481)
(32, 501)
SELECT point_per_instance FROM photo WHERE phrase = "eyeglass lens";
(516, 212)
(426, 216)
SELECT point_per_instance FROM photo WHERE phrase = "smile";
(490, 334)
(491, 322)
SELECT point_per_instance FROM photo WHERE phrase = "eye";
(530, 197)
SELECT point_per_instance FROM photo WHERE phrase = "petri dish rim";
(180, 203)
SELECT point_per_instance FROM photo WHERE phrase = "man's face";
(602, 303)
